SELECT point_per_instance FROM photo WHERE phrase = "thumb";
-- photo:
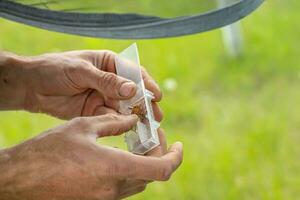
(116, 124)
(109, 84)
(114, 86)
(105, 125)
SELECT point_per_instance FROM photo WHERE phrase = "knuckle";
(77, 66)
(80, 121)
(71, 70)
(141, 188)
(76, 120)
(112, 117)
(117, 169)
(83, 67)
(178, 159)
(109, 52)
(74, 71)
(83, 63)
(108, 79)
(107, 59)
(166, 173)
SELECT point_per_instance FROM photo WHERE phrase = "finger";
(158, 114)
(153, 168)
(95, 104)
(151, 85)
(105, 60)
(92, 101)
(162, 148)
(105, 125)
(101, 59)
(117, 124)
(111, 103)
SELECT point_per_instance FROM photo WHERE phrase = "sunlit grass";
(238, 119)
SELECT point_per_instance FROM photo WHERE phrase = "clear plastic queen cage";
(143, 137)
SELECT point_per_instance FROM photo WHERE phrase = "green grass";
(238, 119)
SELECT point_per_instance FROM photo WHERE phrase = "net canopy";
(127, 19)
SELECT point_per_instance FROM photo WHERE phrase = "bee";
(140, 111)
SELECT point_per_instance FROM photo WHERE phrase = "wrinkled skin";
(66, 163)
(67, 85)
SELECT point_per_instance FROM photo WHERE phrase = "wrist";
(12, 84)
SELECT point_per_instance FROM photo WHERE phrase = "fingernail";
(127, 89)
(135, 116)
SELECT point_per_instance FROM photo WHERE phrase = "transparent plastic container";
(143, 137)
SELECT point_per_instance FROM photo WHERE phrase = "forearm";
(12, 84)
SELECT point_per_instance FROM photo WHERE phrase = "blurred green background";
(238, 118)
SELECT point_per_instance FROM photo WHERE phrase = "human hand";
(66, 163)
(69, 84)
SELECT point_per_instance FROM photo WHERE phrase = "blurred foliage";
(238, 119)
(146, 7)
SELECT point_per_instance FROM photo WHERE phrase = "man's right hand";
(66, 163)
